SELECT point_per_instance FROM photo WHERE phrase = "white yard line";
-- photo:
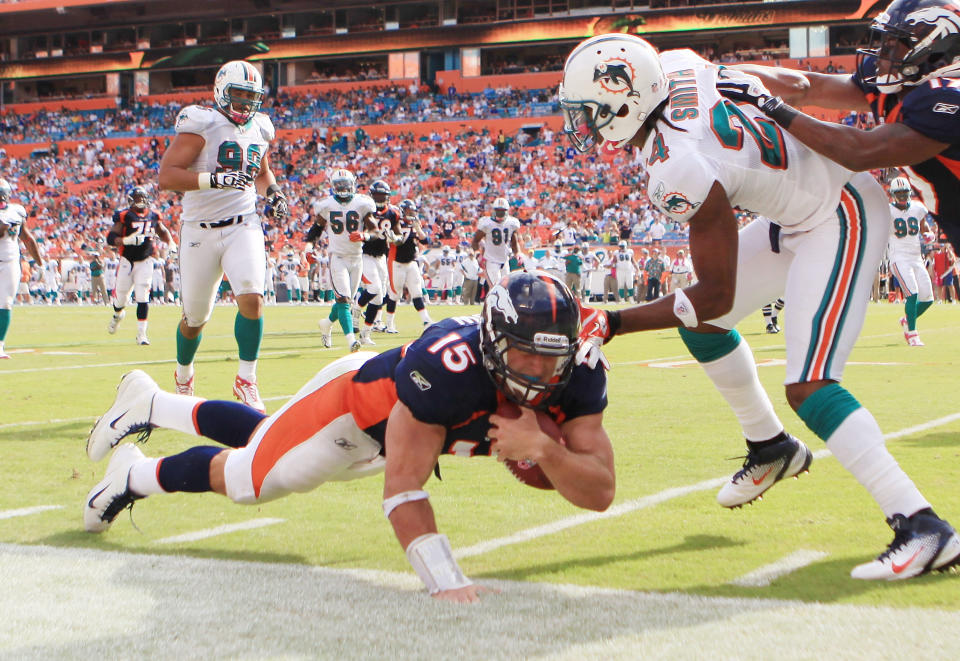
(649, 501)
(219, 530)
(764, 576)
(28, 511)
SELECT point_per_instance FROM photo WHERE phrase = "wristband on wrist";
(272, 189)
(432, 559)
(683, 309)
(204, 180)
(780, 112)
(615, 321)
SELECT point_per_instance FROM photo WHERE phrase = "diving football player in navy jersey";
(909, 80)
(397, 411)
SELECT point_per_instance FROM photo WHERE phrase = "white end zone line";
(219, 530)
(28, 511)
(648, 501)
(764, 576)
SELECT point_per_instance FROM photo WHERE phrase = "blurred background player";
(289, 268)
(347, 218)
(445, 266)
(626, 272)
(906, 257)
(770, 314)
(13, 229)
(397, 412)
(376, 280)
(405, 271)
(497, 234)
(219, 159)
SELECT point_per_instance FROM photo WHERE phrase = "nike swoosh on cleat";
(899, 568)
(113, 423)
(756, 482)
(95, 496)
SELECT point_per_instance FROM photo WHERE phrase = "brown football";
(528, 472)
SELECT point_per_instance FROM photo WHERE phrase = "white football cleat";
(326, 332)
(391, 329)
(913, 339)
(185, 388)
(366, 340)
(922, 543)
(248, 393)
(112, 494)
(4, 355)
(142, 340)
(763, 468)
(129, 414)
(355, 346)
(115, 321)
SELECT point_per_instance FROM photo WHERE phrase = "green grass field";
(669, 427)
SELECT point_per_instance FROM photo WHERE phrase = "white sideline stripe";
(648, 501)
(580, 519)
(764, 576)
(28, 511)
(219, 530)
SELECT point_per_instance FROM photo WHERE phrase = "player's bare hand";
(517, 438)
(356, 237)
(469, 594)
(235, 179)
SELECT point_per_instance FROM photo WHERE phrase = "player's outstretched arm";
(826, 90)
(412, 451)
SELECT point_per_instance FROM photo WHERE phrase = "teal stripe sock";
(249, 334)
(707, 347)
(186, 349)
(826, 409)
(4, 323)
(922, 306)
(911, 309)
(346, 321)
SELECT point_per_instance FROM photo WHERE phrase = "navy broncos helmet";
(380, 192)
(138, 198)
(913, 41)
(536, 313)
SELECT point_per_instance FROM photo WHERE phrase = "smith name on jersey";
(709, 138)
(226, 147)
(932, 109)
(440, 377)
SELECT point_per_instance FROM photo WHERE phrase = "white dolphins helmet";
(611, 84)
(344, 184)
(234, 76)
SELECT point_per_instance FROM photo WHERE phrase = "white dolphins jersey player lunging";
(347, 218)
(13, 229)
(498, 235)
(706, 154)
(906, 257)
(219, 160)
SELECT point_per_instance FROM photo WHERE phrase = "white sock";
(184, 372)
(175, 412)
(247, 369)
(143, 478)
(735, 377)
(142, 326)
(350, 339)
(424, 316)
(859, 447)
(390, 319)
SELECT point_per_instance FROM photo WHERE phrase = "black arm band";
(273, 189)
(613, 318)
(314, 233)
(780, 112)
(111, 237)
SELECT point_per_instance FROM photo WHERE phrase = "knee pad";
(707, 347)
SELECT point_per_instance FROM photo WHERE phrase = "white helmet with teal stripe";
(238, 91)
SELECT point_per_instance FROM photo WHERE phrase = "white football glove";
(236, 179)
(134, 239)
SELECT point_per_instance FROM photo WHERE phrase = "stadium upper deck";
(132, 48)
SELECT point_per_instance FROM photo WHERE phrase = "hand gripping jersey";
(135, 223)
(762, 168)
(496, 237)
(440, 377)
(931, 109)
(386, 222)
(14, 216)
(344, 218)
(904, 243)
(226, 147)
